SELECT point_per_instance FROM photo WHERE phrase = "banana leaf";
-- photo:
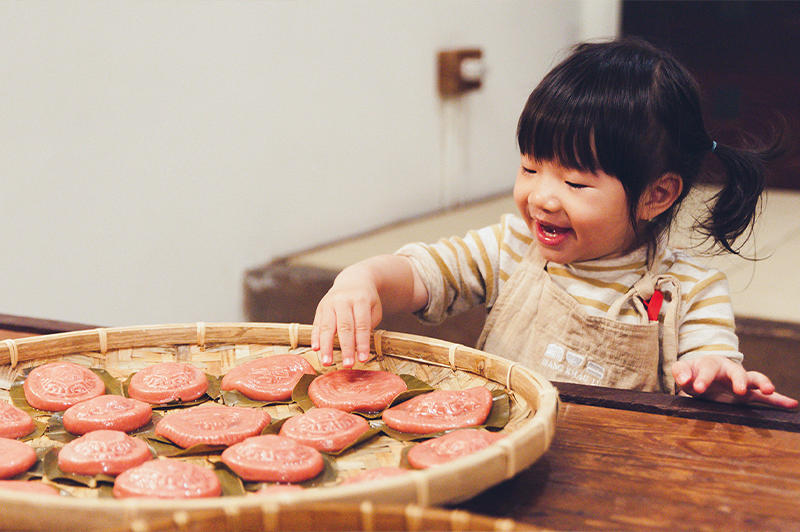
(232, 484)
(237, 398)
(164, 447)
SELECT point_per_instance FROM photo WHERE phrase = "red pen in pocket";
(654, 305)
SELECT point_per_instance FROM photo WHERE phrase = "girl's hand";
(720, 379)
(351, 309)
(355, 305)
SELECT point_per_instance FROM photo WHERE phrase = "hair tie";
(713, 145)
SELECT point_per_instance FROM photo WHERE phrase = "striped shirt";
(460, 273)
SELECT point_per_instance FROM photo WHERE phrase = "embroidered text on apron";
(536, 323)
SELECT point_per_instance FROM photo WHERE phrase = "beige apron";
(536, 323)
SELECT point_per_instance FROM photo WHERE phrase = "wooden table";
(632, 461)
(612, 468)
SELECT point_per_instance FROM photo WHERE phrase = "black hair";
(634, 112)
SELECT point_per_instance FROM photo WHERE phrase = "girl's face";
(574, 216)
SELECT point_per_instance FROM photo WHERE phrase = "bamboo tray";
(215, 348)
(344, 517)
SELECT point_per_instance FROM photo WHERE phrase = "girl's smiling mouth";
(551, 235)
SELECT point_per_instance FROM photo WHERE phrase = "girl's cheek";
(521, 201)
(520, 198)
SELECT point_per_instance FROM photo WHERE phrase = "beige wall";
(153, 151)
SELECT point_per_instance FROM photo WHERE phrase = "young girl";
(581, 286)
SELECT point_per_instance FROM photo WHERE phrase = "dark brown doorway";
(746, 57)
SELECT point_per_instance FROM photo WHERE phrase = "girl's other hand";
(720, 379)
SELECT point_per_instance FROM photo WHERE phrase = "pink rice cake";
(441, 410)
(270, 378)
(167, 382)
(356, 390)
(271, 458)
(110, 412)
(325, 429)
(449, 447)
(15, 457)
(56, 386)
(109, 452)
(212, 424)
(168, 478)
(14, 422)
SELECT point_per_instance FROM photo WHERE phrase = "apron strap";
(639, 295)
(641, 291)
(669, 338)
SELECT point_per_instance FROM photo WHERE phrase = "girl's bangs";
(562, 131)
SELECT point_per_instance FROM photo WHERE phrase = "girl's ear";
(660, 196)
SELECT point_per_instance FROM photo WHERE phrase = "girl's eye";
(575, 185)
(528, 170)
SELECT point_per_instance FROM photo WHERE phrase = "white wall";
(151, 152)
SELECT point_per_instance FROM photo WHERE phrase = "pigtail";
(735, 207)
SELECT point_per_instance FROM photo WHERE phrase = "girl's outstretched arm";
(357, 300)
(720, 379)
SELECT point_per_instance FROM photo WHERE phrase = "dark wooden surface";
(12, 326)
(679, 406)
(612, 469)
(623, 460)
